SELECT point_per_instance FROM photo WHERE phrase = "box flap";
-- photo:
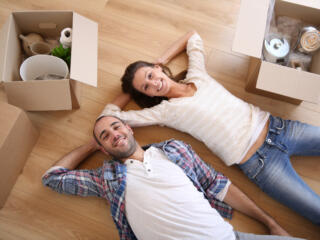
(3, 44)
(12, 54)
(306, 11)
(251, 27)
(34, 95)
(84, 53)
(289, 82)
(307, 3)
(19, 139)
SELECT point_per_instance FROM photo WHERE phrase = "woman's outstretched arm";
(176, 48)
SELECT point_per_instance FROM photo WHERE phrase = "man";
(162, 191)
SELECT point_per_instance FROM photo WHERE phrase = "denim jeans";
(270, 167)
(250, 236)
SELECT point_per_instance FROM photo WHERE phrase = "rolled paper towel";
(66, 37)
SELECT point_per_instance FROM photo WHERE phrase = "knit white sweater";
(225, 123)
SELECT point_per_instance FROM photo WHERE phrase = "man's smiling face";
(115, 137)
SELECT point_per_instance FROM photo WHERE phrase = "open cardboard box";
(271, 79)
(17, 138)
(42, 95)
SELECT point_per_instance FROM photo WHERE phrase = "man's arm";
(62, 178)
(176, 48)
(72, 159)
(241, 202)
(216, 186)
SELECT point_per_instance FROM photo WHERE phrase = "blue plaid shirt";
(109, 182)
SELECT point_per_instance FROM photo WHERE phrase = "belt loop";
(280, 128)
(282, 125)
(274, 128)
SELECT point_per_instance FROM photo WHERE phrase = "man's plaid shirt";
(109, 182)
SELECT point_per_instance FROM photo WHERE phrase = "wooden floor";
(130, 30)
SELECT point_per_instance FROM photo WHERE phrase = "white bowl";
(43, 65)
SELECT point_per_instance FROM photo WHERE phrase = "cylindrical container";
(40, 48)
(42, 66)
(276, 49)
(309, 40)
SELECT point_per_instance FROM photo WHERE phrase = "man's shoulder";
(113, 169)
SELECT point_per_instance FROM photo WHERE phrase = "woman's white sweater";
(225, 123)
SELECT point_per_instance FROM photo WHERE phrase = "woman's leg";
(302, 139)
(271, 170)
(249, 236)
(282, 183)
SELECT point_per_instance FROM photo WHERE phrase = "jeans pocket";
(254, 168)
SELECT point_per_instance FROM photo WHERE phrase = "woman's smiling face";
(152, 81)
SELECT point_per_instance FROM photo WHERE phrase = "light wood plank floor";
(130, 30)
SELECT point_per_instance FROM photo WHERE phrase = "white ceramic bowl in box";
(43, 65)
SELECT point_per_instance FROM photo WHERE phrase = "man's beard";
(125, 153)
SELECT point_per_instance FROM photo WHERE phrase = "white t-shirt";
(162, 202)
(225, 123)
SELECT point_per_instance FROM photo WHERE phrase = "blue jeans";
(250, 236)
(270, 167)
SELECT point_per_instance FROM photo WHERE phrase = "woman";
(237, 132)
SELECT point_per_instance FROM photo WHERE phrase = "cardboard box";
(270, 79)
(17, 138)
(42, 95)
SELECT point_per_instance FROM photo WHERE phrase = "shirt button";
(131, 161)
(269, 140)
(149, 170)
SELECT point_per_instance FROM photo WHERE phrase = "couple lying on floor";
(173, 193)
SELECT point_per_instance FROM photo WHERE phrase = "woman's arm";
(176, 48)
(135, 118)
(241, 202)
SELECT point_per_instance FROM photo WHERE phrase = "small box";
(271, 79)
(17, 138)
(43, 95)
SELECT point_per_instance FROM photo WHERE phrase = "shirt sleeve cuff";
(52, 169)
(220, 196)
(194, 42)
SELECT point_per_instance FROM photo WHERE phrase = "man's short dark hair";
(98, 119)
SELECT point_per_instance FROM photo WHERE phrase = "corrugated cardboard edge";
(15, 151)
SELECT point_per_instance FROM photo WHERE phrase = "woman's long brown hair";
(140, 98)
